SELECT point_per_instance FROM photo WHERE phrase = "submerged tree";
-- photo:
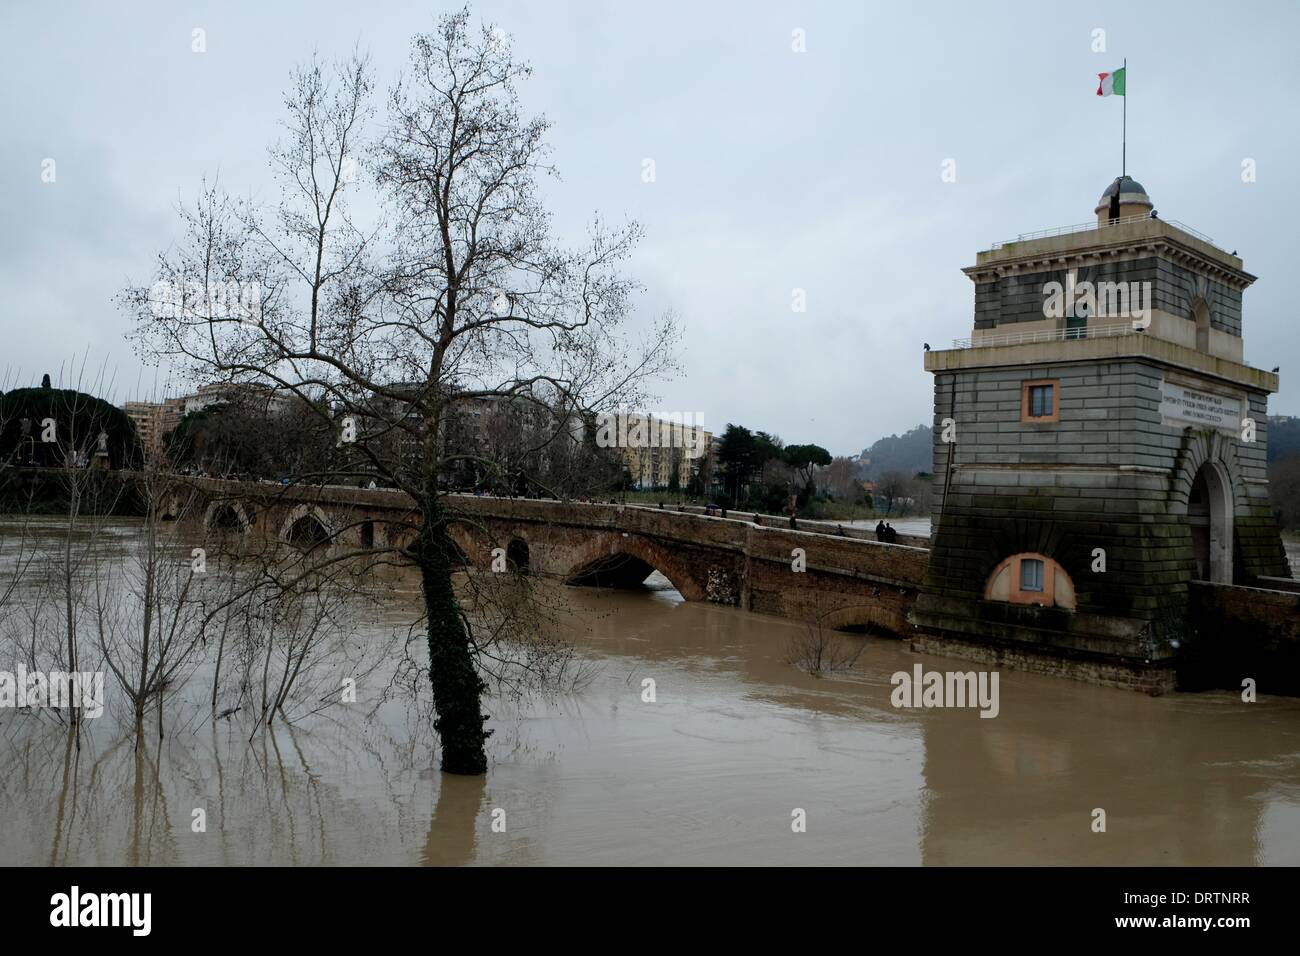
(455, 295)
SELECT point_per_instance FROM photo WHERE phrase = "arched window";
(1201, 315)
(1030, 578)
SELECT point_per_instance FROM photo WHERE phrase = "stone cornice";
(1152, 237)
(1139, 346)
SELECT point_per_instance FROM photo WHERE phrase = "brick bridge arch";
(308, 511)
(217, 509)
(472, 546)
(601, 558)
(172, 508)
(614, 558)
(723, 561)
(872, 617)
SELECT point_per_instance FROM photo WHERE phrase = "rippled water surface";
(709, 773)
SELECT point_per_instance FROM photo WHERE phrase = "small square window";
(1031, 574)
(1038, 401)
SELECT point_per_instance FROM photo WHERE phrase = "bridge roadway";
(844, 580)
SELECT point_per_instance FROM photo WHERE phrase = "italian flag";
(1111, 83)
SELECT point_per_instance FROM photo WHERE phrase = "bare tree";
(842, 480)
(146, 610)
(820, 649)
(893, 486)
(15, 550)
(456, 292)
(1284, 491)
(72, 440)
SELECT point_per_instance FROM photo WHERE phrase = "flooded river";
(712, 771)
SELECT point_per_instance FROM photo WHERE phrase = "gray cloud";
(776, 170)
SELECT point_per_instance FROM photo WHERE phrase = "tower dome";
(1123, 198)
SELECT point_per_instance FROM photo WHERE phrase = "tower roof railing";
(1048, 335)
(1086, 226)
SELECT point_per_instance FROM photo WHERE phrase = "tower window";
(1038, 401)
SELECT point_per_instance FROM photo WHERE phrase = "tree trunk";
(457, 687)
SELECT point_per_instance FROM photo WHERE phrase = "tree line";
(756, 470)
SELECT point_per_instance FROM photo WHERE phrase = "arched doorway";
(1209, 512)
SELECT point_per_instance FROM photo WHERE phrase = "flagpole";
(1123, 156)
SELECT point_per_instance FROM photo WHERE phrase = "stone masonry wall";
(843, 580)
(1108, 475)
(1240, 633)
(1020, 297)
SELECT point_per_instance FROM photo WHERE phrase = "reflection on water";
(709, 773)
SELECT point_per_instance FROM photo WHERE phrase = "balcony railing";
(1086, 226)
(1047, 335)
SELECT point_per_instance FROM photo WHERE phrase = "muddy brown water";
(711, 772)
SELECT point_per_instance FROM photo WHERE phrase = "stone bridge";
(847, 582)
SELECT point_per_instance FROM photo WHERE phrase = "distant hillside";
(911, 452)
(907, 453)
(1283, 438)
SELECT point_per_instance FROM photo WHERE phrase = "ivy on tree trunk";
(457, 686)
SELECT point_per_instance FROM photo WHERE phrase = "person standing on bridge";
(880, 530)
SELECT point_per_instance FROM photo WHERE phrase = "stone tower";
(1099, 443)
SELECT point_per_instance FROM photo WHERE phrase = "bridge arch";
(306, 525)
(225, 515)
(615, 560)
(456, 555)
(400, 536)
(467, 545)
(866, 618)
(518, 555)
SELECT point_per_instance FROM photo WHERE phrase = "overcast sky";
(775, 170)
